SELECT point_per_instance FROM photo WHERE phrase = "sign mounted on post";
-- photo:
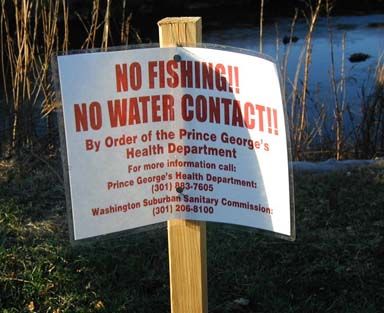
(155, 134)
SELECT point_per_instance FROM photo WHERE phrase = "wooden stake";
(187, 266)
(186, 239)
(176, 31)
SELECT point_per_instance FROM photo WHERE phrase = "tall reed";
(300, 135)
(338, 86)
(104, 43)
(29, 39)
(31, 33)
(370, 142)
(261, 26)
(296, 90)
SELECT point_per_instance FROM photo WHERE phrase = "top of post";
(181, 19)
(178, 31)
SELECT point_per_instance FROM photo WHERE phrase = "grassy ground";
(335, 265)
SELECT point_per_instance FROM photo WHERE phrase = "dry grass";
(325, 134)
(299, 136)
(29, 39)
(32, 31)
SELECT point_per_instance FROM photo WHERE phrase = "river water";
(363, 34)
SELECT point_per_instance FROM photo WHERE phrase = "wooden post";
(186, 239)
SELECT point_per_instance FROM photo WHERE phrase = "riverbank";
(313, 64)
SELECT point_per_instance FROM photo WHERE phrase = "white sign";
(161, 133)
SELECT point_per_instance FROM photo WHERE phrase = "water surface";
(362, 34)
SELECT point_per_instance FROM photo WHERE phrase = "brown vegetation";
(32, 32)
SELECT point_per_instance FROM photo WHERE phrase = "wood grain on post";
(176, 31)
(186, 239)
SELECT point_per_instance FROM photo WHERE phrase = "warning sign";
(162, 133)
